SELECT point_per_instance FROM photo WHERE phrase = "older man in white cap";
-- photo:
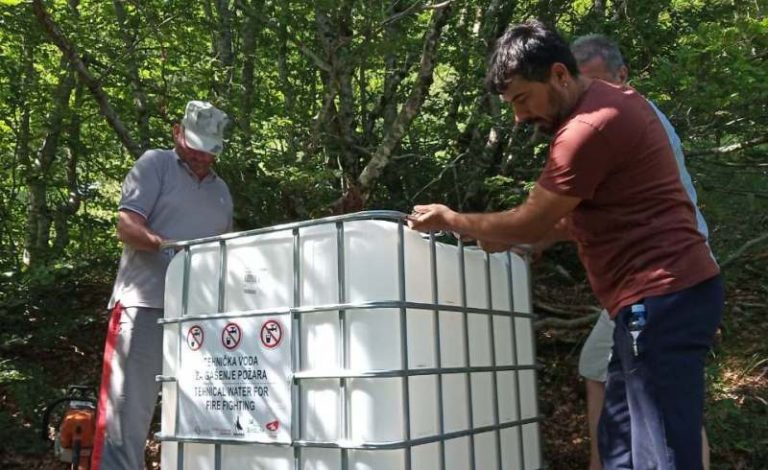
(168, 195)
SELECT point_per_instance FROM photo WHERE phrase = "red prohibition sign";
(195, 337)
(231, 336)
(271, 334)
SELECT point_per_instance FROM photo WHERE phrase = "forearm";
(498, 227)
(558, 234)
(525, 224)
(132, 229)
(521, 225)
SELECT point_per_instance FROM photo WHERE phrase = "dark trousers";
(654, 398)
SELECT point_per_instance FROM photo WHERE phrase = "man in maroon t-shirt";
(611, 182)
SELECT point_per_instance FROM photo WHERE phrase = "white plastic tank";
(347, 343)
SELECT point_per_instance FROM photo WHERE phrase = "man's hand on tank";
(430, 218)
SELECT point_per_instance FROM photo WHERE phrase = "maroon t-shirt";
(635, 226)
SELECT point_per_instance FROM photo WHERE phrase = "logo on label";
(273, 426)
(251, 281)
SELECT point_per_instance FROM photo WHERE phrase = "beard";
(541, 133)
(545, 128)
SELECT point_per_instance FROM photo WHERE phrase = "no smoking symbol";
(230, 336)
(195, 337)
(271, 334)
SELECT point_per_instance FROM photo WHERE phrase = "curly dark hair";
(528, 49)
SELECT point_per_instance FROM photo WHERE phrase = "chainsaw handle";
(82, 392)
(47, 416)
(76, 448)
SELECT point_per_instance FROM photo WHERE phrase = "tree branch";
(68, 49)
(554, 322)
(728, 148)
(736, 254)
(415, 8)
(566, 309)
(319, 63)
(450, 165)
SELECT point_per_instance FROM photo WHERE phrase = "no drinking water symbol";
(231, 335)
(195, 337)
(271, 334)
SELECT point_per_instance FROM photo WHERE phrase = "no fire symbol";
(231, 335)
(195, 337)
(271, 334)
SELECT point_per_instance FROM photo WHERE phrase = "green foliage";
(723, 89)
(733, 419)
(506, 190)
(25, 390)
(49, 326)
(310, 106)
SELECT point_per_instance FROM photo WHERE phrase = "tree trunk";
(485, 147)
(22, 150)
(412, 106)
(598, 7)
(222, 48)
(396, 69)
(336, 121)
(619, 10)
(39, 170)
(74, 150)
(130, 41)
(39, 215)
(248, 54)
(23, 144)
(285, 85)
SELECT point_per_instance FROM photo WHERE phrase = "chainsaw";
(73, 437)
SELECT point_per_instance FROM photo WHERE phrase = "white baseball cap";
(204, 126)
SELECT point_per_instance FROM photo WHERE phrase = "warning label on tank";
(236, 385)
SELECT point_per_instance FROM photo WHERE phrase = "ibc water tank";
(349, 342)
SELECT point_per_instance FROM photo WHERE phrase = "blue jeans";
(654, 398)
